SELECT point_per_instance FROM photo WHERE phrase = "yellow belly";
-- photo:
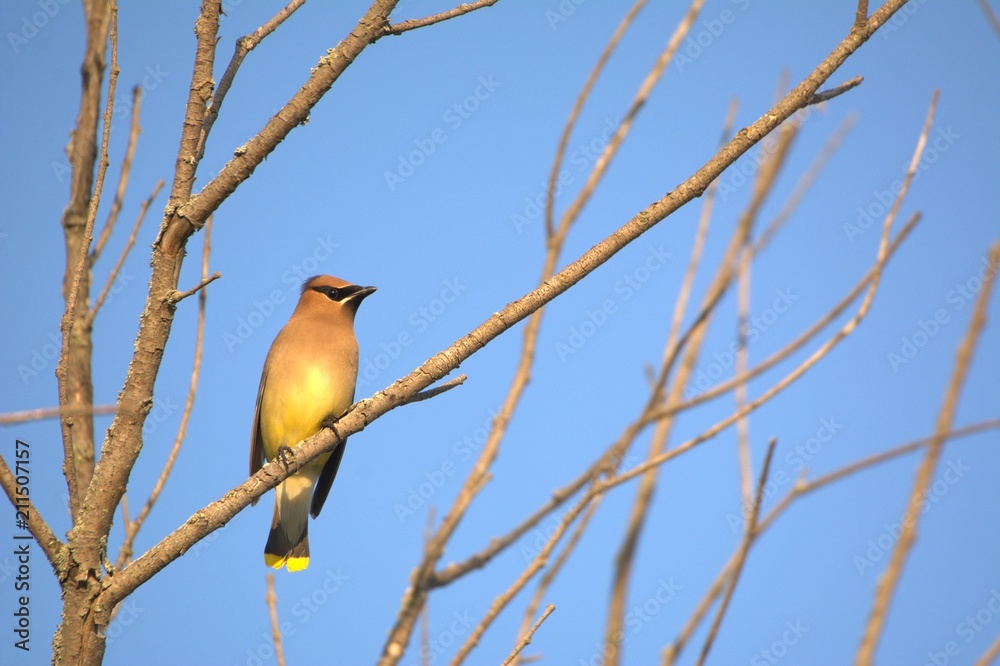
(293, 408)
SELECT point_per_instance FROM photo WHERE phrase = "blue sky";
(416, 174)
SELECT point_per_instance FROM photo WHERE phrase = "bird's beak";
(361, 294)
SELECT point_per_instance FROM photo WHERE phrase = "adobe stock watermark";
(262, 309)
(460, 625)
(772, 654)
(126, 615)
(302, 611)
(637, 617)
(746, 168)
(703, 35)
(121, 107)
(372, 367)
(462, 451)
(45, 356)
(967, 630)
(562, 12)
(798, 460)
(926, 330)
(900, 18)
(873, 214)
(881, 545)
(37, 21)
(581, 158)
(454, 117)
(759, 323)
(625, 288)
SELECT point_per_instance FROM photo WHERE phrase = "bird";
(308, 379)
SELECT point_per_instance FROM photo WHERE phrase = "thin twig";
(748, 537)
(272, 610)
(743, 425)
(533, 568)
(992, 19)
(602, 163)
(784, 383)
(798, 491)
(11, 418)
(993, 651)
(804, 183)
(126, 168)
(799, 342)
(836, 91)
(574, 114)
(437, 390)
(179, 296)
(413, 24)
(553, 571)
(527, 637)
(861, 16)
(890, 579)
(113, 275)
(425, 612)
(244, 45)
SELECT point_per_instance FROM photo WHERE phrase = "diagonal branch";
(741, 555)
(244, 45)
(908, 535)
(11, 418)
(113, 275)
(126, 169)
(413, 24)
(363, 413)
(799, 490)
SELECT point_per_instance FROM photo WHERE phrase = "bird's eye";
(332, 293)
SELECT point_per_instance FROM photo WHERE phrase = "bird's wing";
(326, 478)
(256, 439)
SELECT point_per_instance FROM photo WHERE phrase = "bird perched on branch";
(308, 378)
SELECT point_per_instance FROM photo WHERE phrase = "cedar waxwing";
(308, 376)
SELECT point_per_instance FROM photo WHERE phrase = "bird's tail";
(288, 542)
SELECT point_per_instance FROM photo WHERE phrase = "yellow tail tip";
(291, 563)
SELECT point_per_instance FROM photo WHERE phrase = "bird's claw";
(282, 454)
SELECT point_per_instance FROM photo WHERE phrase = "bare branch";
(861, 16)
(799, 490)
(527, 637)
(741, 556)
(116, 204)
(993, 651)
(11, 418)
(244, 45)
(272, 610)
(575, 113)
(991, 18)
(963, 359)
(533, 568)
(179, 296)
(413, 24)
(437, 390)
(836, 91)
(113, 275)
(218, 513)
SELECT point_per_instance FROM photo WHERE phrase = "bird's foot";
(282, 455)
